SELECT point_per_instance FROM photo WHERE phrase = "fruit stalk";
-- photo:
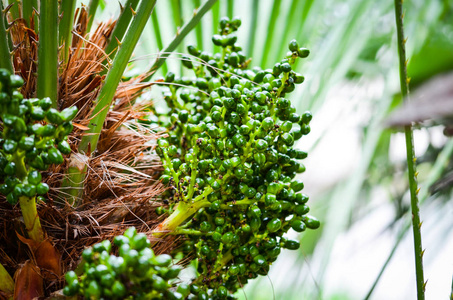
(28, 206)
(182, 212)
(31, 218)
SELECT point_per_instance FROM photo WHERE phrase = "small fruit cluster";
(230, 163)
(33, 136)
(137, 273)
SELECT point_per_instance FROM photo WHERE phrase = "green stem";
(28, 7)
(180, 36)
(183, 231)
(120, 28)
(158, 36)
(182, 212)
(92, 8)
(413, 186)
(31, 218)
(27, 204)
(21, 170)
(5, 56)
(67, 9)
(47, 82)
(114, 75)
(436, 172)
(230, 9)
(106, 95)
(6, 281)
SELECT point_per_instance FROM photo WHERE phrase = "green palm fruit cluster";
(230, 162)
(136, 273)
(33, 135)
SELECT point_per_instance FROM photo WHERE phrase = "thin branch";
(411, 165)
(436, 172)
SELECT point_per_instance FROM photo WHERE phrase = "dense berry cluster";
(135, 274)
(230, 162)
(33, 135)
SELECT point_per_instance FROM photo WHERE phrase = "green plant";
(230, 166)
(53, 58)
(33, 136)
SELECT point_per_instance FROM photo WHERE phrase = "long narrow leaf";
(287, 33)
(267, 48)
(230, 8)
(252, 29)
